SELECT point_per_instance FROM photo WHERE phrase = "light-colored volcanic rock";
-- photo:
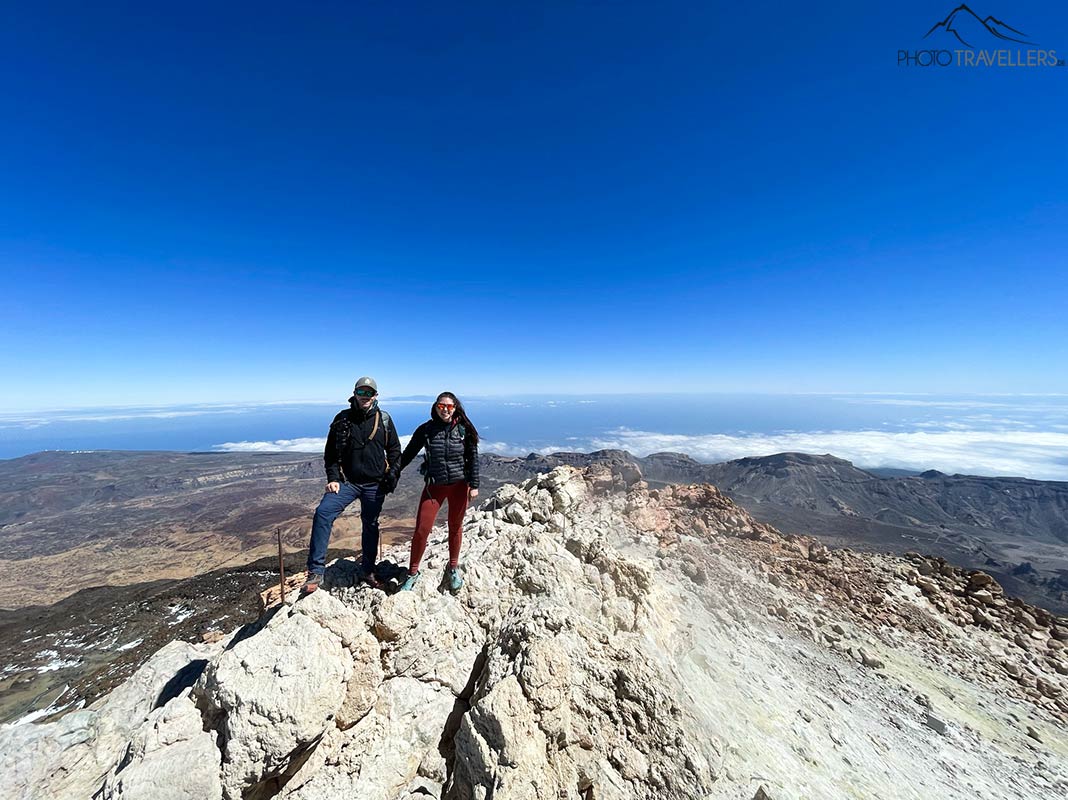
(610, 642)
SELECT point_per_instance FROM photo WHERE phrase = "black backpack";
(345, 430)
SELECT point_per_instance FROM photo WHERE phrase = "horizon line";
(232, 404)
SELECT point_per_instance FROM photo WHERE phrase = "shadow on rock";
(182, 680)
(462, 704)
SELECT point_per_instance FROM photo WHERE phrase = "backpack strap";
(386, 420)
(374, 428)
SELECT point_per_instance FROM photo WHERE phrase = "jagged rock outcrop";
(563, 707)
(269, 696)
(147, 730)
(610, 642)
(169, 756)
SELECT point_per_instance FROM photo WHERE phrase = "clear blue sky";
(201, 202)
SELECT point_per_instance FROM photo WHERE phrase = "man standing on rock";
(362, 458)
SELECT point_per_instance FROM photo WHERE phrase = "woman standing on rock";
(451, 471)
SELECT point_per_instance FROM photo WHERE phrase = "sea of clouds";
(1033, 454)
(983, 435)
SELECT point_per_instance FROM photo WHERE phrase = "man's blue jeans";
(330, 507)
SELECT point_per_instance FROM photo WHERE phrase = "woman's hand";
(472, 494)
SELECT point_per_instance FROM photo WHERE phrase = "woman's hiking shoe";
(453, 580)
(312, 583)
(409, 582)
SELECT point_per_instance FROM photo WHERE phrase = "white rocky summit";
(610, 642)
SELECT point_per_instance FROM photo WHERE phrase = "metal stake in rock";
(281, 570)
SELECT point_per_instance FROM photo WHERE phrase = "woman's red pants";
(429, 505)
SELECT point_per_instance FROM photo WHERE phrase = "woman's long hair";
(459, 415)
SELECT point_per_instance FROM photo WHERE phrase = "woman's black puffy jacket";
(451, 456)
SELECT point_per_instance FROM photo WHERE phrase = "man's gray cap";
(364, 381)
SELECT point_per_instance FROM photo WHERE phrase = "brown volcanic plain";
(72, 520)
(69, 521)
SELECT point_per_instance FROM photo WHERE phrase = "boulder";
(271, 698)
(170, 757)
(74, 756)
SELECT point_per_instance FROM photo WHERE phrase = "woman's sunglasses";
(445, 406)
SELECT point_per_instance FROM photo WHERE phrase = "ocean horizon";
(1002, 435)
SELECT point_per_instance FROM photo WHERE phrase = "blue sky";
(205, 204)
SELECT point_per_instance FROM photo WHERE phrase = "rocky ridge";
(1015, 529)
(612, 641)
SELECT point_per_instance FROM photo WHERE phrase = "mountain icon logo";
(968, 27)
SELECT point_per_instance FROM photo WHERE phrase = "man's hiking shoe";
(409, 583)
(453, 581)
(312, 583)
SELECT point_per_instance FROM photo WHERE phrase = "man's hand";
(333, 486)
(388, 484)
(472, 494)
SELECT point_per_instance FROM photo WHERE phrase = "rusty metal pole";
(281, 570)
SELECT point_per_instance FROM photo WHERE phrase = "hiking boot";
(312, 583)
(409, 582)
(453, 581)
(371, 580)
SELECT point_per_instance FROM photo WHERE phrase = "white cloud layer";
(519, 450)
(308, 444)
(305, 445)
(1032, 454)
(24, 422)
(31, 420)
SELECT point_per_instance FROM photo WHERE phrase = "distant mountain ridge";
(1016, 528)
(828, 484)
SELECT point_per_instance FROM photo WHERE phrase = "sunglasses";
(365, 392)
(445, 406)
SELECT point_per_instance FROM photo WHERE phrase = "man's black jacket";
(352, 454)
(451, 455)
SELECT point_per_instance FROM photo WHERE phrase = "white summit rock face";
(611, 642)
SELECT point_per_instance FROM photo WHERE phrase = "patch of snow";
(53, 662)
(128, 645)
(180, 613)
(71, 642)
(33, 716)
